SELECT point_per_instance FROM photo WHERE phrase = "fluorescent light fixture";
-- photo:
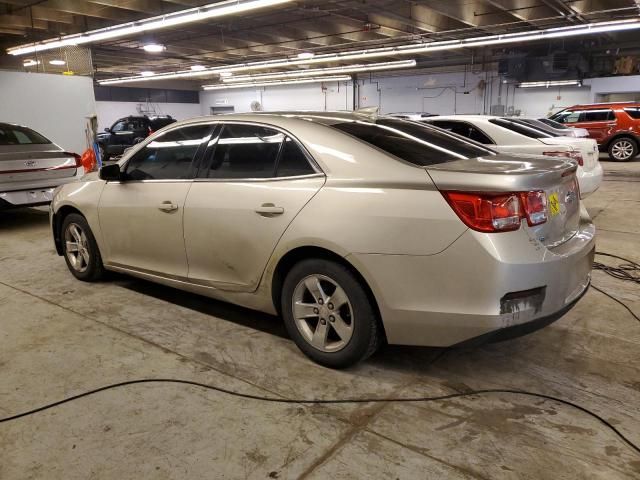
(551, 83)
(407, 49)
(146, 74)
(212, 10)
(306, 55)
(225, 86)
(314, 72)
(57, 62)
(154, 48)
(198, 68)
(31, 63)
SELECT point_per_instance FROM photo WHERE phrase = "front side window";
(245, 151)
(119, 126)
(15, 135)
(169, 156)
(602, 115)
(566, 117)
(413, 142)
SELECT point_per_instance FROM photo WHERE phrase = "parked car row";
(357, 229)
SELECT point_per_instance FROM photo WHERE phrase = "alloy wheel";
(622, 150)
(323, 313)
(77, 247)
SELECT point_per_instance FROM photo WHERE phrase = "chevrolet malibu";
(355, 229)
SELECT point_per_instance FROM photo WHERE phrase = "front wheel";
(623, 149)
(328, 313)
(80, 249)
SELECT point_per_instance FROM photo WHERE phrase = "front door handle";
(269, 210)
(168, 206)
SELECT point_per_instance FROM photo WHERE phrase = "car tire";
(85, 262)
(336, 336)
(623, 149)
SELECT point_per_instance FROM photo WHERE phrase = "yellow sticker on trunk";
(554, 204)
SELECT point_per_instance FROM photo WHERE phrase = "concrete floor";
(59, 337)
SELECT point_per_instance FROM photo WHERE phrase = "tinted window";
(527, 131)
(537, 125)
(463, 128)
(413, 142)
(119, 126)
(169, 156)
(602, 115)
(245, 151)
(566, 117)
(15, 135)
(293, 161)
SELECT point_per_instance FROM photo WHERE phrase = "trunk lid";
(521, 173)
(24, 163)
(587, 147)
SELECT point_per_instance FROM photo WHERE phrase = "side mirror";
(111, 173)
(107, 129)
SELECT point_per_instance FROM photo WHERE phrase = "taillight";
(77, 157)
(498, 212)
(573, 154)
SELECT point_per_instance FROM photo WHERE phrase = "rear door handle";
(168, 206)
(269, 210)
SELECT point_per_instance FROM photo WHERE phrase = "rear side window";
(601, 115)
(293, 161)
(463, 128)
(15, 135)
(169, 156)
(633, 112)
(413, 142)
(245, 151)
(527, 131)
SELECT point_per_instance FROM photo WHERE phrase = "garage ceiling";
(289, 29)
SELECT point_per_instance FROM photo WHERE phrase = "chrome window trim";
(260, 179)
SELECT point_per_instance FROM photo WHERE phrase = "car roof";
(282, 117)
(585, 106)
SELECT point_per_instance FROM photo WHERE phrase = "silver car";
(355, 229)
(31, 166)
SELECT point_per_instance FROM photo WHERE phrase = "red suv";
(615, 126)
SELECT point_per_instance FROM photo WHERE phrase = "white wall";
(336, 96)
(109, 112)
(442, 93)
(55, 105)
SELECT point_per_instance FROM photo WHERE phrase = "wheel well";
(56, 225)
(623, 135)
(296, 255)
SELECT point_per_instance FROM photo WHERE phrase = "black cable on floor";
(330, 401)
(629, 271)
(633, 314)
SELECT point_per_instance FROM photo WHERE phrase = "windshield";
(413, 142)
(16, 135)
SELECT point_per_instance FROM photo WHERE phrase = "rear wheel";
(623, 149)
(80, 249)
(328, 313)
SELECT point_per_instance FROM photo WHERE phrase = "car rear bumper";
(32, 194)
(590, 180)
(480, 285)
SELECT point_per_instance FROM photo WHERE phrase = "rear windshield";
(15, 135)
(521, 128)
(537, 124)
(413, 142)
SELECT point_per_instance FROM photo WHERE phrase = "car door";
(141, 215)
(253, 182)
(598, 122)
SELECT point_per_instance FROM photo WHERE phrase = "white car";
(412, 115)
(512, 136)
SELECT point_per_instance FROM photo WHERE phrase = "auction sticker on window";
(554, 204)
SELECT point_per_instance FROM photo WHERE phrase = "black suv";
(128, 131)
